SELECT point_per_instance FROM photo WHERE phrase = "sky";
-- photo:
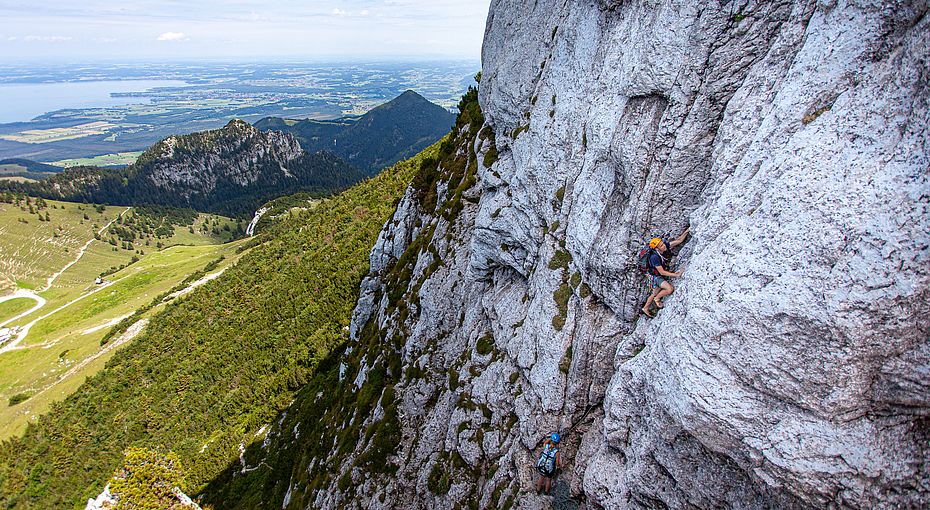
(100, 30)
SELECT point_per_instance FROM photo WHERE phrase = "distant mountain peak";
(386, 134)
(410, 94)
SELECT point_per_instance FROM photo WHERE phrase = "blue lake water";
(25, 101)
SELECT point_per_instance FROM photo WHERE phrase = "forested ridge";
(216, 365)
(337, 432)
(229, 171)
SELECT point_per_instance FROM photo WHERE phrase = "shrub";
(812, 116)
(560, 259)
(485, 344)
(566, 362)
(147, 480)
(575, 280)
(438, 481)
(19, 398)
(584, 291)
(490, 157)
(561, 297)
(345, 481)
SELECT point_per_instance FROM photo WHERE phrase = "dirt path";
(51, 279)
(112, 322)
(198, 283)
(23, 293)
(21, 334)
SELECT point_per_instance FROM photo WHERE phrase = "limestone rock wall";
(790, 369)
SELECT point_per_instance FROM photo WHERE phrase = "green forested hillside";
(18, 167)
(217, 364)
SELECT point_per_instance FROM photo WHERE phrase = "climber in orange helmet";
(657, 275)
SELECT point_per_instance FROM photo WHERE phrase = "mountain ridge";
(504, 302)
(231, 170)
(384, 135)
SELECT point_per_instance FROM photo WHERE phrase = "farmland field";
(119, 158)
(59, 134)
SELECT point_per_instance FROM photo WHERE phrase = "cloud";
(172, 36)
(40, 38)
(339, 12)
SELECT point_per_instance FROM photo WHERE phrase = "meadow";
(115, 159)
(55, 262)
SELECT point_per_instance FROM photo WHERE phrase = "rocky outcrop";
(790, 368)
(232, 170)
(239, 153)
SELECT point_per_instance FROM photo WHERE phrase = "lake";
(24, 101)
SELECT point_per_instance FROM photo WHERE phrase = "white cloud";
(364, 12)
(172, 36)
(339, 12)
(40, 38)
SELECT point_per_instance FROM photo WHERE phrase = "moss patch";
(485, 344)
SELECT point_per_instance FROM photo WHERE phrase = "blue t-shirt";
(657, 260)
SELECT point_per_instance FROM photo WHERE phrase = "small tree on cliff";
(148, 480)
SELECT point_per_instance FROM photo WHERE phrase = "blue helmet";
(556, 437)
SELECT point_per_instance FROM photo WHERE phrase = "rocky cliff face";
(237, 153)
(789, 369)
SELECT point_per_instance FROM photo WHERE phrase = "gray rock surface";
(238, 153)
(790, 369)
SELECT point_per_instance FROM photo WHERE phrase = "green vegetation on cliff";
(336, 434)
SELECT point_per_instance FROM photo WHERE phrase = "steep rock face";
(238, 153)
(789, 369)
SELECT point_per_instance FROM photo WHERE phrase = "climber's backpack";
(642, 260)
(546, 463)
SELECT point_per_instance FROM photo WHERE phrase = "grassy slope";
(211, 369)
(30, 252)
(50, 367)
(13, 307)
(63, 347)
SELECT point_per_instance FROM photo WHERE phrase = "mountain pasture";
(55, 318)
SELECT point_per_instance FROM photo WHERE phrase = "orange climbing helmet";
(655, 242)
